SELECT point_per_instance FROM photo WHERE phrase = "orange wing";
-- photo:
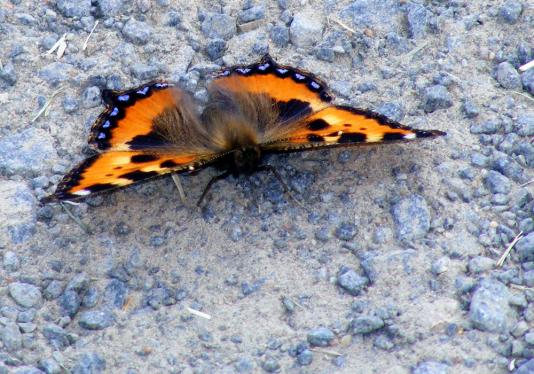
(127, 121)
(118, 169)
(296, 92)
(344, 126)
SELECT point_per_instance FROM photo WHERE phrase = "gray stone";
(470, 109)
(144, 72)
(11, 337)
(393, 111)
(325, 53)
(525, 248)
(219, 26)
(56, 72)
(137, 32)
(26, 315)
(216, 48)
(69, 303)
(91, 297)
(69, 8)
(346, 231)
(78, 283)
(270, 365)
(350, 281)
(497, 183)
(436, 97)
(305, 357)
(25, 294)
(50, 366)
(89, 363)
(96, 319)
(490, 309)
(440, 266)
(527, 78)
(524, 125)
(27, 152)
(431, 367)
(507, 76)
(244, 365)
(417, 20)
(280, 35)
(320, 337)
(70, 104)
(110, 7)
(57, 336)
(366, 324)
(11, 261)
(53, 290)
(510, 11)
(486, 127)
(507, 166)
(252, 14)
(529, 338)
(27, 327)
(480, 264)
(27, 370)
(91, 97)
(526, 368)
(8, 74)
(306, 29)
(115, 293)
(411, 217)
(528, 278)
(372, 13)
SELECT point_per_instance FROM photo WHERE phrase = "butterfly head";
(245, 160)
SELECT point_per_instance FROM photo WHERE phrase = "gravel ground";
(393, 270)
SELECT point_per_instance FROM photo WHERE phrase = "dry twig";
(509, 249)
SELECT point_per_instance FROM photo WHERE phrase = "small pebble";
(24, 294)
(320, 337)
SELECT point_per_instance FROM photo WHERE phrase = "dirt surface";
(390, 267)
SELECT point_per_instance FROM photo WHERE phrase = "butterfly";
(252, 110)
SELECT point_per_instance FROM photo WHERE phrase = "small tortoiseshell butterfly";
(252, 110)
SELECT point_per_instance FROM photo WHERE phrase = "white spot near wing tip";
(82, 193)
(191, 167)
(410, 136)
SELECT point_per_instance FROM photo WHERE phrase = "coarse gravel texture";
(391, 268)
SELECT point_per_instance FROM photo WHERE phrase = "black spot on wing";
(168, 164)
(315, 138)
(393, 136)
(293, 109)
(150, 140)
(100, 187)
(318, 124)
(138, 175)
(143, 158)
(352, 137)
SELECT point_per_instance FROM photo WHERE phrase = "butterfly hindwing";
(128, 120)
(295, 92)
(344, 126)
(115, 169)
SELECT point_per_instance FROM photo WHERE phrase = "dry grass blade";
(509, 249)
(47, 104)
(342, 25)
(326, 352)
(522, 94)
(198, 313)
(60, 45)
(526, 184)
(82, 225)
(84, 47)
(527, 66)
(178, 184)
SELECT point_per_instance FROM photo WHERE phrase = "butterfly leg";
(210, 184)
(275, 172)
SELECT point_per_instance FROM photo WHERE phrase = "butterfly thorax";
(242, 161)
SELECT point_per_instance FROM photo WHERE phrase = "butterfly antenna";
(275, 172)
(212, 181)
